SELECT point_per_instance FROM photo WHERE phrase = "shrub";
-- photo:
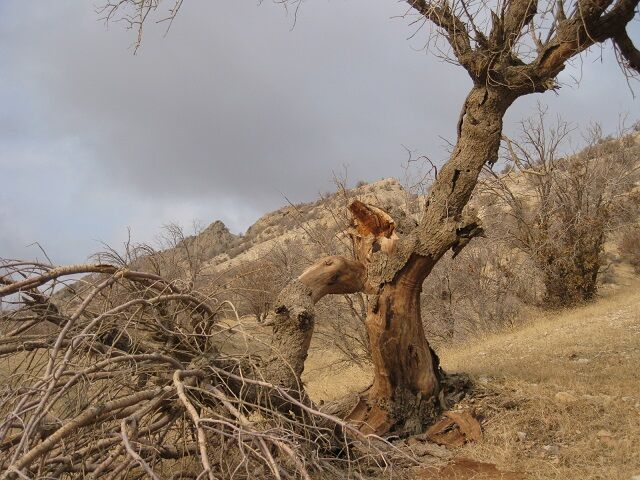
(629, 247)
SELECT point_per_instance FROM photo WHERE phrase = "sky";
(233, 113)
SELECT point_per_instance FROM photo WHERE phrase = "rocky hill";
(314, 228)
(311, 228)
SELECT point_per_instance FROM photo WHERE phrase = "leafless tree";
(486, 288)
(509, 48)
(255, 285)
(342, 329)
(562, 205)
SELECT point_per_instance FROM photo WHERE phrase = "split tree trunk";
(393, 257)
(406, 387)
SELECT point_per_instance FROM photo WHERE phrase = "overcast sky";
(225, 117)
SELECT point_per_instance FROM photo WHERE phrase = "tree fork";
(390, 267)
(406, 387)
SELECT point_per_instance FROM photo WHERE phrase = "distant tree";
(629, 247)
(485, 288)
(255, 285)
(563, 205)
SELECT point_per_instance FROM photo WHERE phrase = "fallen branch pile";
(115, 373)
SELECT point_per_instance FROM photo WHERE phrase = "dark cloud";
(224, 116)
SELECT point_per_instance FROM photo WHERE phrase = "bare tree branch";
(628, 50)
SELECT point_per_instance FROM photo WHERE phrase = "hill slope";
(560, 397)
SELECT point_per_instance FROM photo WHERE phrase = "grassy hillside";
(558, 396)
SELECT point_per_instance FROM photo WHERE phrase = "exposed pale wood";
(332, 275)
(372, 230)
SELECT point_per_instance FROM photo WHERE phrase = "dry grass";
(328, 378)
(559, 395)
(569, 383)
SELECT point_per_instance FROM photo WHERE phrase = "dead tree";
(394, 255)
(255, 285)
(509, 49)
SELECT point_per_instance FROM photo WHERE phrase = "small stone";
(583, 360)
(565, 397)
(522, 436)
(606, 437)
(552, 449)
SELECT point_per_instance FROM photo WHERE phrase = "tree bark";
(406, 372)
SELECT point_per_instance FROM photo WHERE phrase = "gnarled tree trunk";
(406, 374)
(393, 256)
(404, 395)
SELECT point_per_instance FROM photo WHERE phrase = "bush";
(629, 247)
(572, 203)
(484, 289)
